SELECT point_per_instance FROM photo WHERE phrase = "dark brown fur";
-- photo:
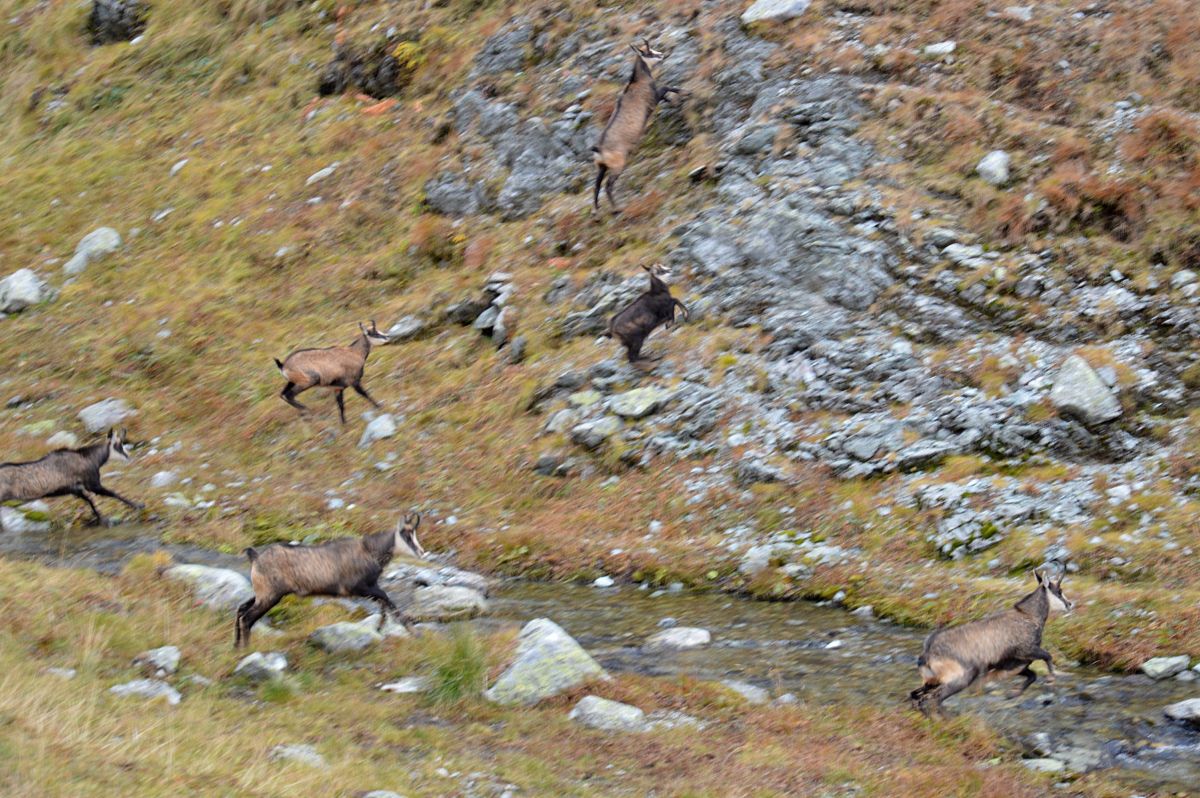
(1002, 644)
(636, 321)
(334, 367)
(628, 123)
(343, 567)
(64, 472)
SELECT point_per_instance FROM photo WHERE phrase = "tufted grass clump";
(459, 667)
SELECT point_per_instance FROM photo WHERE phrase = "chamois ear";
(413, 520)
(635, 48)
(361, 328)
(1040, 575)
(111, 431)
(373, 327)
(648, 268)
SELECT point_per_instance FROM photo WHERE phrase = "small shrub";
(459, 667)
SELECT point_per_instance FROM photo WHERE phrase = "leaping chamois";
(629, 120)
(335, 367)
(1002, 644)
(633, 324)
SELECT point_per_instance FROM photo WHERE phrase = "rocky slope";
(896, 383)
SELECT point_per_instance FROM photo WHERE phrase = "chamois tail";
(278, 364)
(250, 553)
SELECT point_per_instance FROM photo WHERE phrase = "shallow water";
(823, 655)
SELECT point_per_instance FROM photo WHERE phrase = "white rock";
(547, 662)
(20, 290)
(159, 661)
(601, 713)
(14, 521)
(1044, 765)
(753, 694)
(1188, 710)
(104, 414)
(381, 427)
(678, 638)
(164, 479)
(994, 167)
(1158, 668)
(1078, 390)
(92, 247)
(321, 174)
(941, 48)
(409, 684)
(444, 603)
(62, 673)
(216, 588)
(603, 581)
(301, 754)
(260, 667)
(147, 688)
(178, 166)
(62, 440)
(774, 10)
(1020, 13)
(344, 636)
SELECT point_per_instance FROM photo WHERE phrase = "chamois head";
(116, 445)
(649, 56)
(373, 334)
(1052, 584)
(406, 536)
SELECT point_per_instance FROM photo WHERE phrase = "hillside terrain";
(943, 272)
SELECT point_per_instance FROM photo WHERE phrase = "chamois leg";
(953, 687)
(98, 519)
(920, 696)
(100, 490)
(1045, 657)
(361, 391)
(251, 615)
(374, 591)
(288, 394)
(601, 171)
(237, 623)
(341, 403)
(1030, 678)
(609, 185)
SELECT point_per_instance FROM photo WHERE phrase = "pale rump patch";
(942, 670)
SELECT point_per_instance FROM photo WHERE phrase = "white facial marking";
(1057, 604)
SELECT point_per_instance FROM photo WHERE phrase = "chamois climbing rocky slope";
(941, 260)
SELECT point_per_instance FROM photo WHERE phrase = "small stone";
(994, 168)
(638, 403)
(62, 673)
(300, 754)
(92, 247)
(216, 588)
(405, 329)
(344, 636)
(1159, 668)
(62, 440)
(941, 48)
(178, 165)
(678, 638)
(409, 684)
(445, 603)
(1182, 277)
(603, 581)
(1044, 765)
(516, 350)
(159, 661)
(260, 667)
(1019, 13)
(20, 290)
(100, 416)
(164, 479)
(147, 688)
(381, 427)
(382, 794)
(1187, 710)
(774, 10)
(601, 713)
(750, 692)
(321, 174)
(591, 434)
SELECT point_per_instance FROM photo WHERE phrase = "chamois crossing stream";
(825, 656)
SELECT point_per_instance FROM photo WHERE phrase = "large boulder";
(215, 588)
(104, 414)
(638, 403)
(1080, 392)
(344, 636)
(93, 246)
(1187, 710)
(20, 290)
(601, 713)
(24, 519)
(445, 603)
(548, 661)
(774, 10)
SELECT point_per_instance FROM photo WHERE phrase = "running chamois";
(342, 567)
(335, 367)
(633, 324)
(629, 121)
(1002, 644)
(66, 472)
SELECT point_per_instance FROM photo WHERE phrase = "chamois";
(638, 319)
(629, 120)
(335, 367)
(1002, 644)
(342, 567)
(66, 472)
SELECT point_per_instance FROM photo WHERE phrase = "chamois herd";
(953, 659)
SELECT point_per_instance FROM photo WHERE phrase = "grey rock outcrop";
(547, 662)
